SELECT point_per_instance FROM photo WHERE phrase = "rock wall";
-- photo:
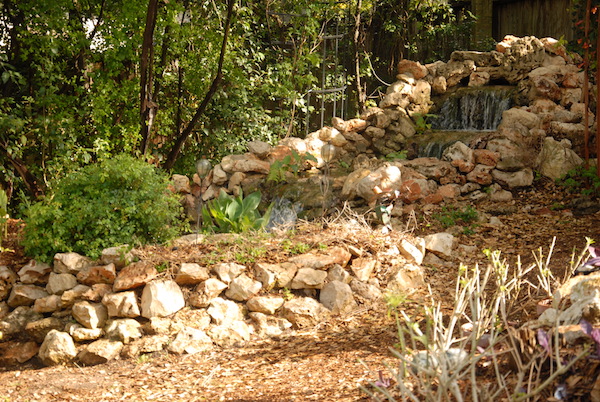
(76, 309)
(543, 133)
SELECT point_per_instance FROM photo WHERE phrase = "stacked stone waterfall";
(542, 133)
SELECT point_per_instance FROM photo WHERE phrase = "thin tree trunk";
(598, 95)
(147, 105)
(31, 182)
(586, 93)
(361, 95)
(183, 136)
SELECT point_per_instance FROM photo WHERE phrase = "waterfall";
(475, 109)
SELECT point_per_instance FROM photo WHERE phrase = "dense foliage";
(120, 200)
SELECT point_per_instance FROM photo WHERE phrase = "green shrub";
(581, 180)
(227, 214)
(121, 200)
(450, 215)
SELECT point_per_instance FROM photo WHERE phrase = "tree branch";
(183, 136)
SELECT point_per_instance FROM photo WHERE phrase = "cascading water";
(474, 109)
(465, 115)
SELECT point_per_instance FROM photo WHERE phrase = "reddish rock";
(410, 191)
(134, 276)
(481, 175)
(14, 353)
(486, 157)
(97, 274)
(449, 191)
(463, 166)
(278, 153)
(435, 198)
(415, 68)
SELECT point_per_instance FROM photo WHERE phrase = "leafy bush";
(581, 180)
(290, 163)
(117, 201)
(227, 214)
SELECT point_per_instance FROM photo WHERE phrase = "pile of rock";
(538, 134)
(95, 311)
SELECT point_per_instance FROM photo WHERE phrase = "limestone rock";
(224, 311)
(134, 276)
(521, 178)
(16, 353)
(81, 334)
(70, 263)
(118, 255)
(206, 291)
(556, 158)
(244, 163)
(123, 329)
(97, 292)
(242, 288)
(275, 275)
(363, 267)
(337, 273)
(35, 272)
(234, 334)
(58, 283)
(25, 295)
(191, 341)
(161, 298)
(265, 304)
(57, 348)
(7, 279)
(411, 251)
(14, 323)
(38, 330)
(90, 315)
(308, 278)
(100, 352)
(228, 271)
(72, 295)
(323, 259)
(304, 312)
(337, 297)
(366, 290)
(268, 325)
(408, 279)
(92, 275)
(191, 274)
(259, 148)
(123, 304)
(440, 243)
(458, 151)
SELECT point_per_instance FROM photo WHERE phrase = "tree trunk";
(183, 136)
(147, 105)
(586, 92)
(30, 181)
(361, 96)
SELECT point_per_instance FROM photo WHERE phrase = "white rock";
(191, 274)
(206, 291)
(556, 159)
(123, 304)
(408, 279)
(265, 304)
(57, 348)
(86, 334)
(118, 255)
(363, 267)
(366, 290)
(90, 315)
(234, 334)
(242, 288)
(100, 352)
(337, 297)
(304, 312)
(58, 283)
(337, 273)
(412, 252)
(224, 311)
(228, 271)
(520, 178)
(123, 329)
(72, 295)
(308, 278)
(268, 325)
(441, 243)
(70, 263)
(161, 298)
(190, 340)
(275, 275)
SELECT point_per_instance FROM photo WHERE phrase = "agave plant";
(228, 214)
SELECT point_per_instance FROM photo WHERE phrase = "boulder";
(95, 274)
(440, 243)
(58, 283)
(338, 298)
(191, 341)
(90, 315)
(134, 275)
(224, 312)
(57, 348)
(122, 304)
(205, 292)
(100, 352)
(161, 298)
(35, 272)
(265, 304)
(242, 288)
(70, 263)
(191, 274)
(123, 329)
(304, 312)
(556, 158)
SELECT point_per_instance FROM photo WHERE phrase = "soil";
(330, 362)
